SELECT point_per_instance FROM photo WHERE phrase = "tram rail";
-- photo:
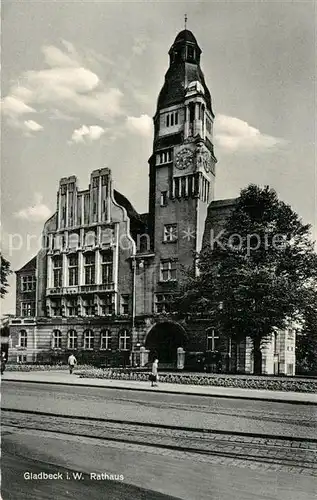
(295, 452)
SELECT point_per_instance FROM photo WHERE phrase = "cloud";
(65, 86)
(233, 134)
(35, 213)
(13, 107)
(140, 44)
(33, 126)
(86, 134)
(140, 125)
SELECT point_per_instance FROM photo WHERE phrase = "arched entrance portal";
(163, 340)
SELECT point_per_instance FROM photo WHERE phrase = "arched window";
(57, 339)
(212, 340)
(23, 339)
(89, 339)
(105, 340)
(124, 340)
(72, 339)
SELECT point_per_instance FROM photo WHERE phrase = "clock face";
(184, 159)
(206, 162)
(203, 160)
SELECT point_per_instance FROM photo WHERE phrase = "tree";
(306, 340)
(258, 268)
(5, 272)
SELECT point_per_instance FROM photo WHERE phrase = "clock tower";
(182, 166)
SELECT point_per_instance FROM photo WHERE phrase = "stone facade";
(102, 284)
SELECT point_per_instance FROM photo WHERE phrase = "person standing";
(154, 378)
(72, 361)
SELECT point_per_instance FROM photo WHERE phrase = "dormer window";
(190, 53)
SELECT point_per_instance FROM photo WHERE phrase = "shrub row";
(240, 382)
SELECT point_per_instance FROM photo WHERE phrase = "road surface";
(147, 470)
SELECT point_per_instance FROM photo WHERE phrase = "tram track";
(296, 453)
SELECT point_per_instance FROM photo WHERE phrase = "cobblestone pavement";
(243, 451)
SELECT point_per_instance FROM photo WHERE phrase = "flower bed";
(238, 381)
(32, 368)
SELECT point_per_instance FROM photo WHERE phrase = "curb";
(162, 391)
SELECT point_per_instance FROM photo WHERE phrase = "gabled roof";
(29, 266)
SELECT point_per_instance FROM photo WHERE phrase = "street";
(56, 444)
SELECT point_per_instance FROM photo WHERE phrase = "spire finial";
(185, 18)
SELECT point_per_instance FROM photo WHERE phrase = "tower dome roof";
(183, 70)
(185, 36)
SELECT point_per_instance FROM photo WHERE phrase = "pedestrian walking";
(3, 362)
(154, 374)
(72, 361)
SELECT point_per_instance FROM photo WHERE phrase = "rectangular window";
(124, 341)
(172, 119)
(89, 340)
(163, 198)
(72, 339)
(72, 307)
(56, 307)
(57, 271)
(124, 304)
(212, 341)
(164, 157)
(168, 271)
(95, 182)
(89, 306)
(107, 267)
(177, 187)
(105, 340)
(106, 304)
(23, 339)
(73, 270)
(57, 339)
(90, 269)
(162, 303)
(28, 283)
(27, 309)
(170, 232)
(21, 358)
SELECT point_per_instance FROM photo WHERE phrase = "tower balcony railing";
(70, 290)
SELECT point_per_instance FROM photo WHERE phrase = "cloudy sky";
(80, 81)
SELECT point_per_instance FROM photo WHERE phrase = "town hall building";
(102, 284)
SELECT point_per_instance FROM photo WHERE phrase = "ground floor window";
(105, 339)
(72, 339)
(89, 339)
(124, 340)
(57, 339)
(21, 358)
(212, 340)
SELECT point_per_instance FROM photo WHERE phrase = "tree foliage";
(254, 274)
(306, 341)
(5, 272)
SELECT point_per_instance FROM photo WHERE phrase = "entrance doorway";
(163, 341)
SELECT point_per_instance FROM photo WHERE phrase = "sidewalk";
(63, 377)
